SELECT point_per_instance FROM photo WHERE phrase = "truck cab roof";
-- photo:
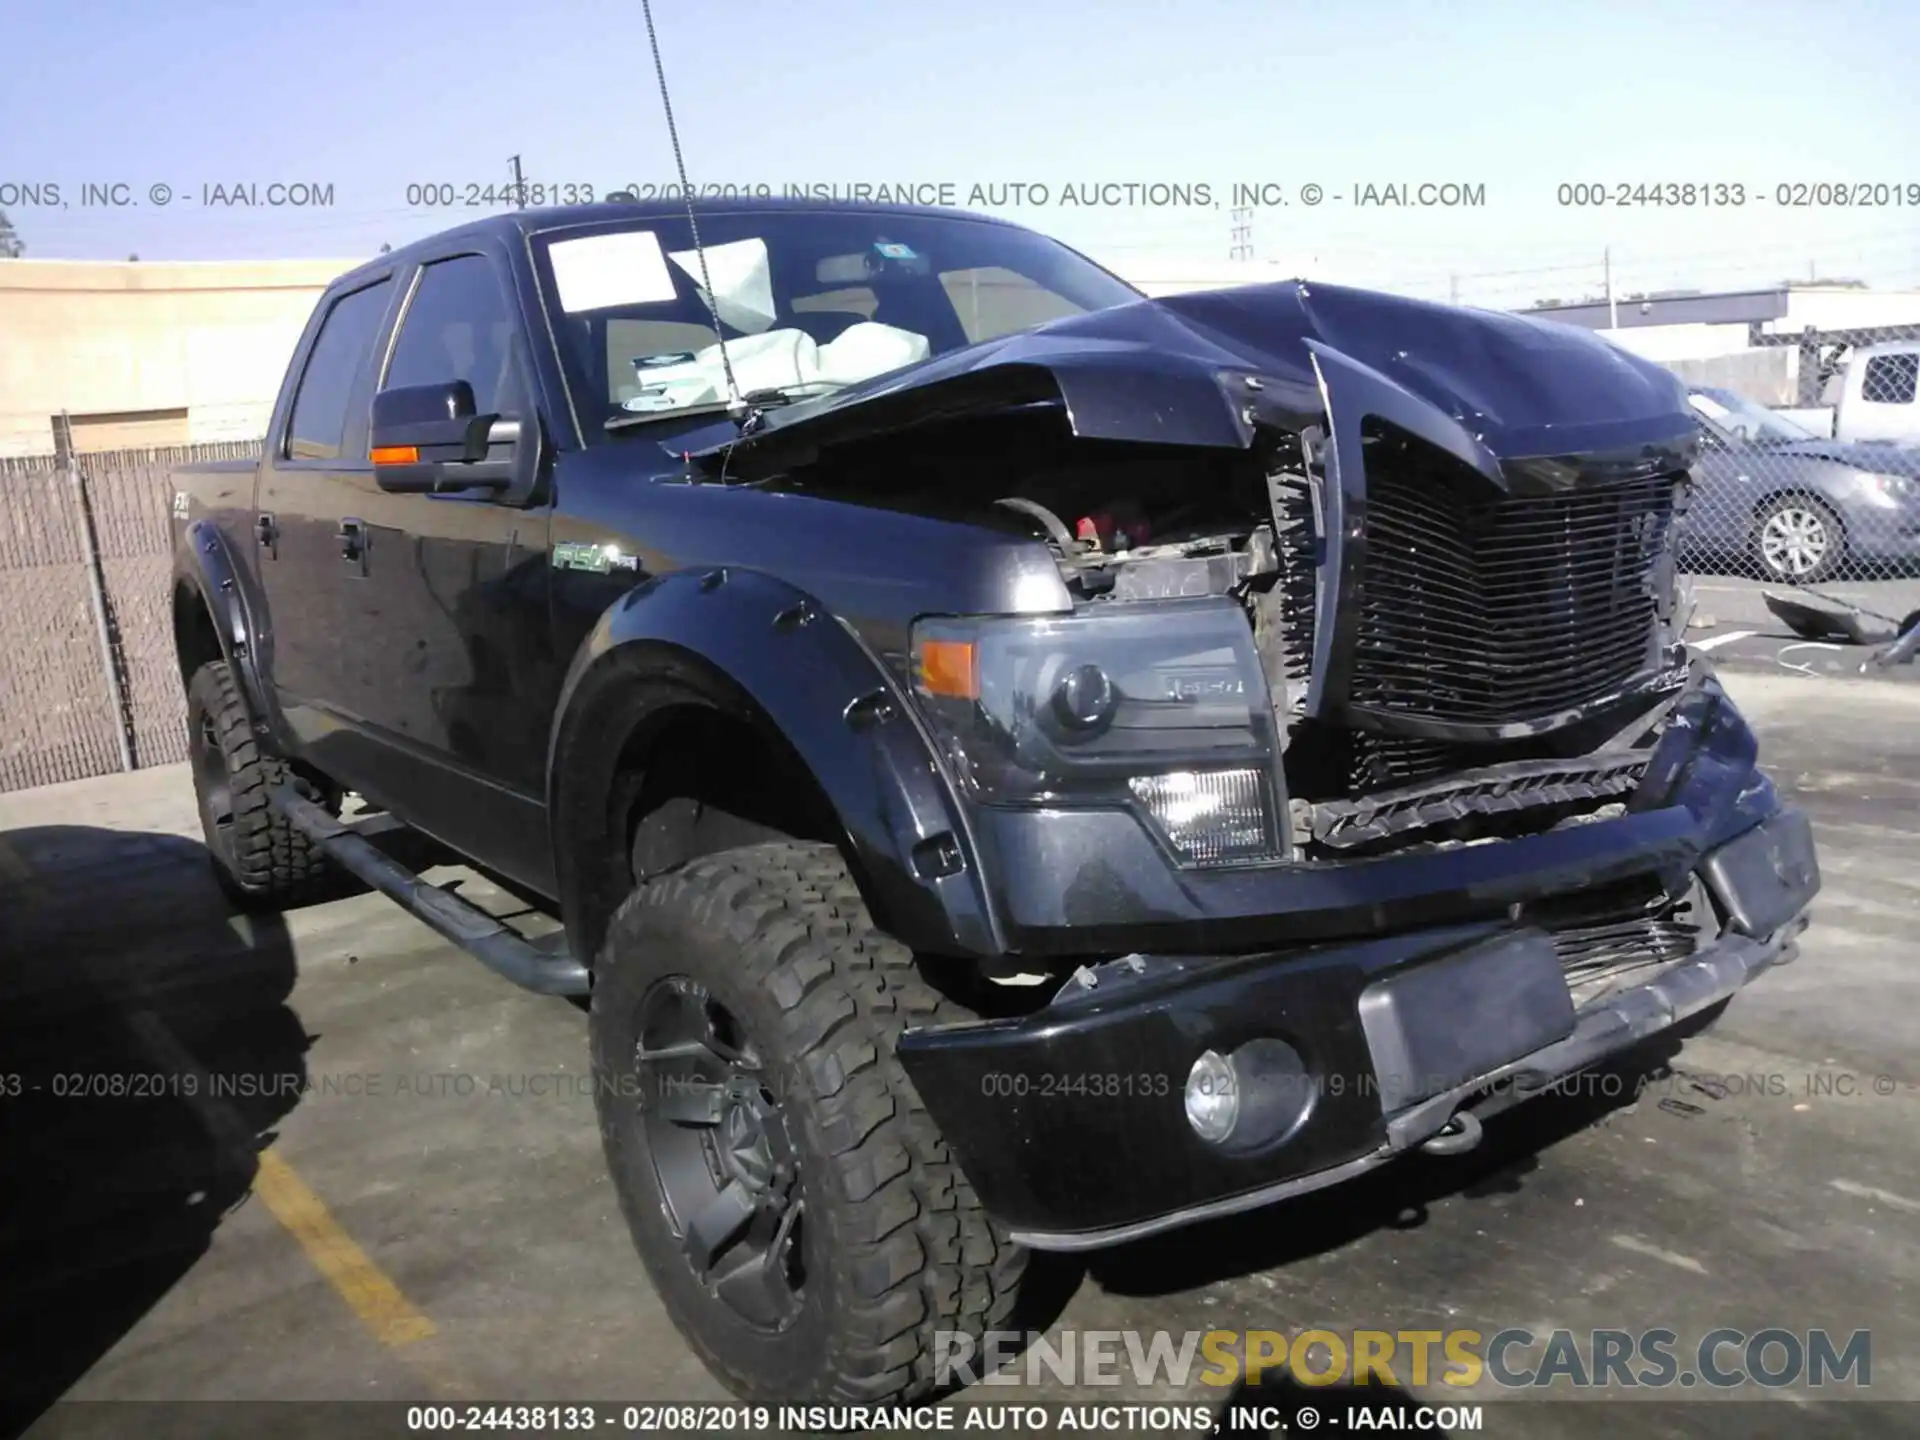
(522, 223)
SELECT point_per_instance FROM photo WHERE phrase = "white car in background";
(1801, 507)
(1875, 395)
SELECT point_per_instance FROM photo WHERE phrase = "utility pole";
(1613, 309)
(519, 186)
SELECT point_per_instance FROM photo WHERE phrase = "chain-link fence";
(89, 684)
(1810, 469)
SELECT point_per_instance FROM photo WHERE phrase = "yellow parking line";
(369, 1293)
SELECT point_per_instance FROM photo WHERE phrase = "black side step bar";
(532, 964)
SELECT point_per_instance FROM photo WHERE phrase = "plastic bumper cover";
(1070, 1122)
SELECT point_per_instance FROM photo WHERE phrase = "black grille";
(1297, 542)
(1468, 805)
(1479, 607)
(1382, 762)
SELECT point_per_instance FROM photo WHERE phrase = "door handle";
(352, 536)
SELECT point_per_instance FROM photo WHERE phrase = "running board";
(543, 966)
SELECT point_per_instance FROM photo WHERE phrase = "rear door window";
(319, 428)
(1890, 379)
(458, 327)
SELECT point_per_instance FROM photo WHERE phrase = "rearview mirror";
(428, 438)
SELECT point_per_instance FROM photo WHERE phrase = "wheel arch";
(196, 639)
(1791, 490)
(695, 682)
(212, 619)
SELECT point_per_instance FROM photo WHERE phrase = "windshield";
(1742, 419)
(809, 301)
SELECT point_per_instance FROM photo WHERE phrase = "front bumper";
(1070, 1124)
(1885, 530)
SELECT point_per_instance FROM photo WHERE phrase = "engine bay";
(1128, 523)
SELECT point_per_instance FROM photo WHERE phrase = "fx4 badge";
(600, 559)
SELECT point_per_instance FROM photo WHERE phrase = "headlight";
(1160, 708)
(1888, 489)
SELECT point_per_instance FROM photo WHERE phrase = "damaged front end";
(1445, 657)
(1358, 740)
(1447, 536)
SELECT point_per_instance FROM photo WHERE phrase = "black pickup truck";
(1019, 764)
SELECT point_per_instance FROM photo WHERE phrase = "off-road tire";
(260, 860)
(898, 1246)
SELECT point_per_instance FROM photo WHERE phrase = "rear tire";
(260, 860)
(766, 954)
(1798, 540)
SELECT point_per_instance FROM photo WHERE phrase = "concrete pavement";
(436, 1222)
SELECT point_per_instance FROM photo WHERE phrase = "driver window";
(457, 327)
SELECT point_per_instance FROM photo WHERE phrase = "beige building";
(145, 353)
(138, 353)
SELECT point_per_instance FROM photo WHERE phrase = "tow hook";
(1456, 1137)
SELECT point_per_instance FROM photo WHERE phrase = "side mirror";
(427, 438)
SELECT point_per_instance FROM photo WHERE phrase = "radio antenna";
(734, 402)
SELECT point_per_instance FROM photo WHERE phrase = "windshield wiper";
(789, 394)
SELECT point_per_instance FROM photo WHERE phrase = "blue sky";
(1519, 97)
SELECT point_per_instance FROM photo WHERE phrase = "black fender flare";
(769, 653)
(204, 563)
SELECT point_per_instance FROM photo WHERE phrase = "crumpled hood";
(1173, 371)
(1522, 386)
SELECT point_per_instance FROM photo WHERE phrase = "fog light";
(1213, 1097)
(1252, 1099)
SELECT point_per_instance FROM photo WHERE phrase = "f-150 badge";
(600, 559)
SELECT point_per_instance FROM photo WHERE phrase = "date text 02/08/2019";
(697, 1419)
(1734, 195)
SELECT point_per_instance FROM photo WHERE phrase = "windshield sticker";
(894, 250)
(596, 272)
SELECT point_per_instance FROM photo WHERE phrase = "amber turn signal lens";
(950, 668)
(396, 454)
